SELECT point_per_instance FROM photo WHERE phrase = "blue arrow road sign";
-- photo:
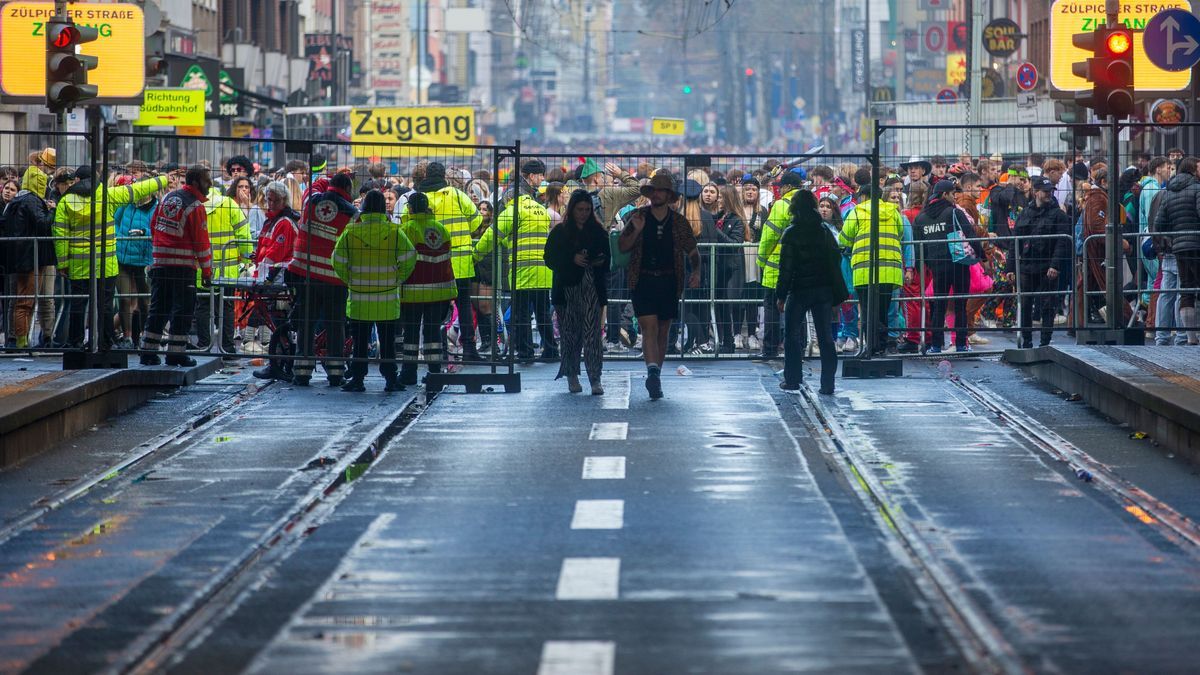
(1172, 39)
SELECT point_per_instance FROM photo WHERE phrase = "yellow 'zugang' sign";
(1068, 17)
(120, 48)
(431, 126)
(667, 126)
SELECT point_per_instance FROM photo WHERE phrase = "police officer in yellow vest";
(232, 244)
(373, 258)
(75, 238)
(856, 232)
(458, 214)
(532, 292)
(768, 259)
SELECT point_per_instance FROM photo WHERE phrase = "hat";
(691, 189)
(533, 166)
(661, 180)
(1043, 184)
(792, 178)
(720, 180)
(944, 186)
(435, 171)
(1079, 171)
(49, 157)
(750, 180)
(318, 163)
(83, 172)
(589, 167)
(170, 167)
(917, 161)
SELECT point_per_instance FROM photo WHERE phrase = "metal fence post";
(1112, 241)
(874, 198)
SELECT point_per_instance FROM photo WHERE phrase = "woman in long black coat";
(577, 252)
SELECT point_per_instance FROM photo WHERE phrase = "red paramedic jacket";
(277, 238)
(325, 217)
(179, 232)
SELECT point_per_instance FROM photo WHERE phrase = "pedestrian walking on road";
(660, 244)
(810, 280)
(373, 258)
(180, 247)
(577, 253)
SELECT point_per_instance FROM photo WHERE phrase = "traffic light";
(66, 70)
(1110, 70)
(156, 65)
(749, 72)
(687, 88)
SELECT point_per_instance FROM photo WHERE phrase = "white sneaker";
(739, 341)
(840, 344)
(977, 339)
(850, 346)
(753, 344)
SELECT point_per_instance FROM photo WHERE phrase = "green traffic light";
(687, 89)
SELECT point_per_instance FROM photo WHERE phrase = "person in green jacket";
(373, 258)
(856, 233)
(75, 239)
(768, 259)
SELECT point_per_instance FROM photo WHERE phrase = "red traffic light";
(1119, 42)
(749, 72)
(63, 36)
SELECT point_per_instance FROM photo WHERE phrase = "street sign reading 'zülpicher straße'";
(1068, 17)
(172, 108)
(120, 49)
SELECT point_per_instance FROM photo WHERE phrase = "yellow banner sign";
(1068, 17)
(430, 126)
(956, 68)
(172, 108)
(120, 49)
(667, 126)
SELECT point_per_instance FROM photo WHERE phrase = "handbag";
(980, 282)
(618, 259)
(961, 250)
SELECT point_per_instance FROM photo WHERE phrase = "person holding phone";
(133, 257)
(577, 253)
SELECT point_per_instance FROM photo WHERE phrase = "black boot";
(353, 384)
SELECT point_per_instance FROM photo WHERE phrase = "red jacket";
(179, 230)
(325, 217)
(277, 238)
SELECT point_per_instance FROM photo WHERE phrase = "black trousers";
(421, 323)
(949, 277)
(360, 331)
(796, 335)
(883, 302)
(172, 300)
(1047, 306)
(772, 326)
(77, 310)
(527, 303)
(317, 304)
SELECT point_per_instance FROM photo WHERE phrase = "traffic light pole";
(1113, 280)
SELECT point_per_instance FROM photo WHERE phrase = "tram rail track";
(981, 643)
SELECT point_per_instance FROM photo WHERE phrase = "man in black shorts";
(657, 239)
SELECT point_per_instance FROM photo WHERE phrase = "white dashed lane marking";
(603, 468)
(577, 657)
(609, 431)
(589, 579)
(616, 392)
(599, 514)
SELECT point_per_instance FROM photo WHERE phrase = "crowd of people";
(595, 256)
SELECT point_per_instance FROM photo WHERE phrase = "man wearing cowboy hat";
(658, 239)
(917, 169)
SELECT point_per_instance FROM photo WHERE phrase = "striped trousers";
(421, 323)
(579, 328)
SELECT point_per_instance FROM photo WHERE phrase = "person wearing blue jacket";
(133, 257)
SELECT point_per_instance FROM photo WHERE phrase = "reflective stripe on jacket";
(432, 278)
(856, 232)
(229, 232)
(768, 246)
(533, 227)
(458, 214)
(73, 226)
(373, 258)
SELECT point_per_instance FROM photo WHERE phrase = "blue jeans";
(1166, 311)
(795, 335)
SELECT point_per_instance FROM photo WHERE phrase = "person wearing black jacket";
(26, 216)
(731, 266)
(1180, 212)
(577, 252)
(810, 280)
(1041, 260)
(1006, 201)
(933, 227)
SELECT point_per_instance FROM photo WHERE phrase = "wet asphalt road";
(711, 532)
